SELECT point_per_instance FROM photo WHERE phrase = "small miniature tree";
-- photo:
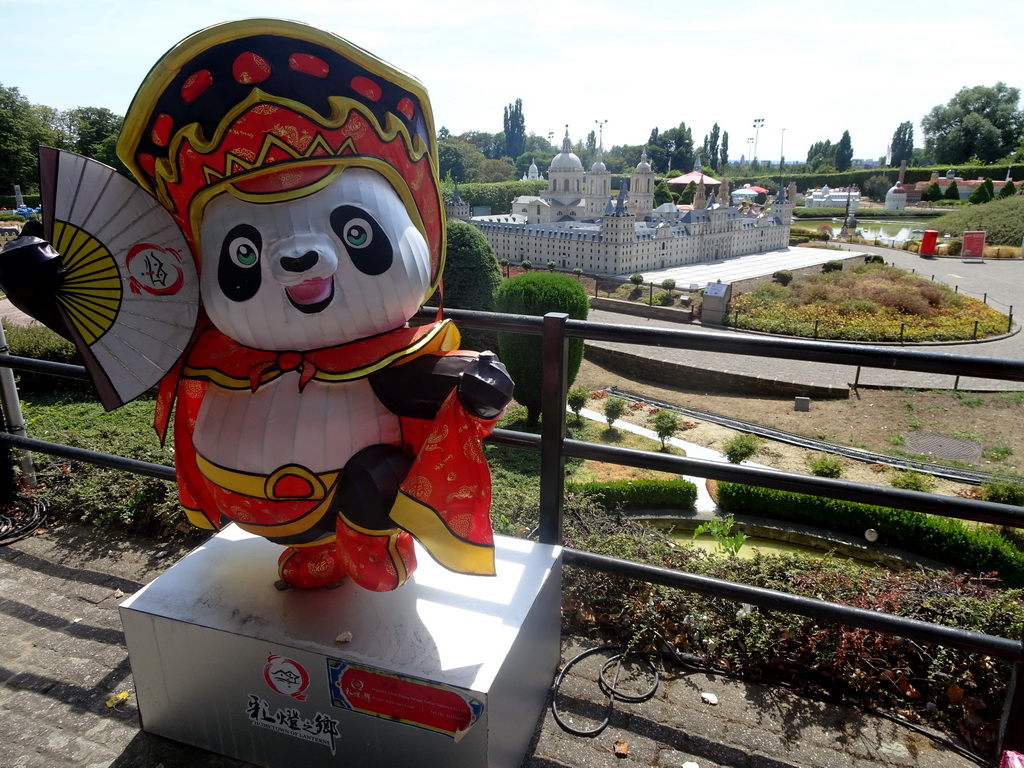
(740, 448)
(526, 265)
(636, 279)
(668, 284)
(577, 273)
(825, 230)
(614, 408)
(666, 424)
(979, 196)
(551, 266)
(1008, 190)
(933, 193)
(576, 399)
(504, 265)
(952, 192)
(783, 277)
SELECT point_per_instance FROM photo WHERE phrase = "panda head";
(340, 264)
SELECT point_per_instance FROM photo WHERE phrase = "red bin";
(928, 242)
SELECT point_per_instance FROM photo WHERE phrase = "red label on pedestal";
(437, 708)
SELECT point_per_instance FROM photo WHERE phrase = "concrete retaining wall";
(642, 310)
(705, 381)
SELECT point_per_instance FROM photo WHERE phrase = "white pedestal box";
(448, 670)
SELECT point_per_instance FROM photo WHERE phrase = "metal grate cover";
(944, 447)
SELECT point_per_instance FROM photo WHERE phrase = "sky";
(810, 70)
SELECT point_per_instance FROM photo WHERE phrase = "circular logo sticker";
(286, 676)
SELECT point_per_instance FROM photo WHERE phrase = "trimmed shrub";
(663, 299)
(825, 465)
(1004, 491)
(636, 279)
(943, 539)
(471, 278)
(835, 265)
(641, 494)
(952, 192)
(783, 277)
(668, 284)
(955, 247)
(527, 265)
(40, 343)
(537, 293)
(551, 266)
(740, 448)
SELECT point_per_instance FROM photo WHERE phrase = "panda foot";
(311, 566)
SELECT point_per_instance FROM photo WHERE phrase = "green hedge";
(498, 196)
(943, 539)
(802, 212)
(641, 494)
(805, 181)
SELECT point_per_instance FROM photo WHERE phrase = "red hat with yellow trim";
(268, 110)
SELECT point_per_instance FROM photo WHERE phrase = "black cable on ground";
(20, 517)
(694, 663)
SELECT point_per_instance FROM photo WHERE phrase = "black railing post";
(555, 361)
(1011, 727)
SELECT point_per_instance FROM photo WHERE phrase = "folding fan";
(131, 294)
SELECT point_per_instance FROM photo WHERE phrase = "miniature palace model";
(577, 224)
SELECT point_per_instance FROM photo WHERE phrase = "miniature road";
(1001, 282)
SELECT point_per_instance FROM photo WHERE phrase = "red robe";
(444, 500)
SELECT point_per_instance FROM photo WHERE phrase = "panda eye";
(358, 234)
(243, 251)
(363, 238)
(239, 253)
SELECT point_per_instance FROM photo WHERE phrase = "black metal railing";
(556, 330)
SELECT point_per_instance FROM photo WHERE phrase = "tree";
(844, 152)
(876, 187)
(460, 159)
(933, 193)
(515, 129)
(537, 293)
(22, 130)
(1008, 190)
(471, 278)
(982, 122)
(666, 424)
(903, 144)
(576, 399)
(711, 146)
(979, 196)
(614, 408)
(724, 151)
(662, 194)
(952, 192)
(686, 196)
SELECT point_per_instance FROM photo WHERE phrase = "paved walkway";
(1001, 282)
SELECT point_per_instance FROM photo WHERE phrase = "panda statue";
(302, 173)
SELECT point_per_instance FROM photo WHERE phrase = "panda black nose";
(300, 263)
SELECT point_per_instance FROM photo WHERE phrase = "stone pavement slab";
(63, 658)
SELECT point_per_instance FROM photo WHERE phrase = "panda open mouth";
(311, 296)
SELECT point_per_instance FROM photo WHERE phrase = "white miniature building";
(576, 224)
(832, 198)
